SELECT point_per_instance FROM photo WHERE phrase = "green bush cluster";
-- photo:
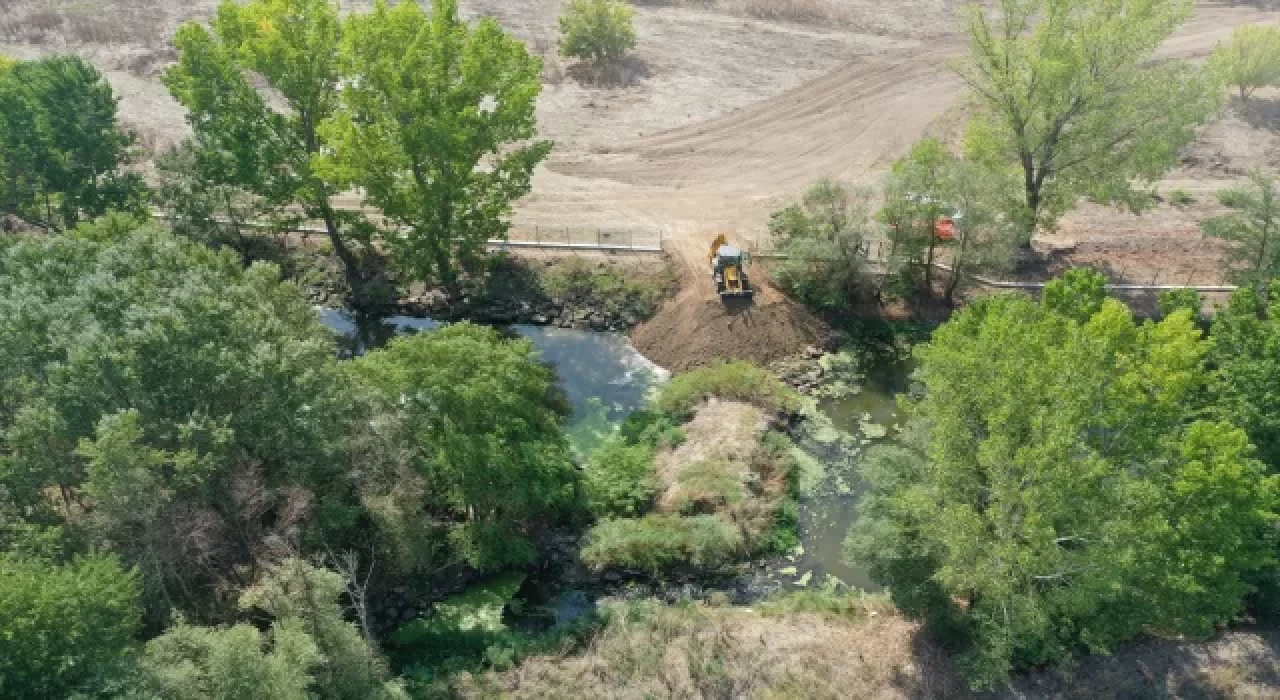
(619, 479)
(619, 290)
(660, 542)
(734, 381)
(599, 31)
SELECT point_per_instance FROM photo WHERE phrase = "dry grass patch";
(820, 12)
(724, 468)
(79, 22)
(648, 650)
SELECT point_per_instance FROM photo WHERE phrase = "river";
(605, 379)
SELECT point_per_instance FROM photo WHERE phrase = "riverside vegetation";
(199, 499)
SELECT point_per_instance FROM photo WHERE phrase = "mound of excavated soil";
(697, 328)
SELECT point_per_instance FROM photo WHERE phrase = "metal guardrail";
(1010, 284)
(560, 238)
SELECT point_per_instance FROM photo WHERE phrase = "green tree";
(1252, 232)
(824, 239)
(914, 205)
(435, 131)
(160, 399)
(1057, 492)
(931, 185)
(1246, 356)
(599, 31)
(1250, 61)
(1077, 294)
(64, 628)
(482, 420)
(310, 651)
(619, 478)
(1068, 98)
(62, 152)
(242, 142)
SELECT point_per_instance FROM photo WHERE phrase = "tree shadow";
(626, 72)
(1260, 4)
(1259, 112)
(1241, 663)
(1236, 665)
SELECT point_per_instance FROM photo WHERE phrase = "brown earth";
(868, 651)
(696, 327)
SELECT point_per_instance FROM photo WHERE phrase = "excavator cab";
(728, 269)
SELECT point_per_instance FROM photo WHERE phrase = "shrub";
(1250, 61)
(1180, 299)
(64, 628)
(823, 239)
(599, 31)
(621, 291)
(660, 542)
(738, 381)
(619, 478)
(1181, 198)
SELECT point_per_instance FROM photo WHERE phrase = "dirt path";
(728, 172)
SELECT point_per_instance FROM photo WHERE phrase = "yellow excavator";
(728, 269)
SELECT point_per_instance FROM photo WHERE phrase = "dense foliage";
(244, 146)
(436, 129)
(1059, 491)
(599, 31)
(658, 542)
(177, 407)
(481, 420)
(309, 651)
(65, 628)
(63, 154)
(824, 241)
(1251, 60)
(736, 381)
(1068, 100)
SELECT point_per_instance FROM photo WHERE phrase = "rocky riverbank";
(602, 294)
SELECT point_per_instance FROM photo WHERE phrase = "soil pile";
(697, 328)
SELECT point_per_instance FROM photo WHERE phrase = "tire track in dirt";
(726, 174)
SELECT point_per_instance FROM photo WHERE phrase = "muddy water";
(603, 377)
(865, 419)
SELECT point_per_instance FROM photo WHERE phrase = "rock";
(813, 352)
(539, 319)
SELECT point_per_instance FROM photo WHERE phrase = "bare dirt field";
(729, 109)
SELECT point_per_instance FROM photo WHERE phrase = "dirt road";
(729, 172)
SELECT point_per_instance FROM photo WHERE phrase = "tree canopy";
(1252, 232)
(436, 130)
(1251, 60)
(824, 237)
(1058, 491)
(1069, 98)
(160, 399)
(245, 143)
(62, 150)
(65, 628)
(481, 419)
(599, 31)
